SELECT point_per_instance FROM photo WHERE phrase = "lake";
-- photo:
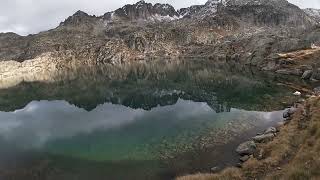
(144, 120)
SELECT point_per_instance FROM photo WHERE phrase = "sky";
(32, 16)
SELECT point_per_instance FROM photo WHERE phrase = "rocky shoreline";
(256, 155)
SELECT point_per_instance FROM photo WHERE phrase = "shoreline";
(276, 157)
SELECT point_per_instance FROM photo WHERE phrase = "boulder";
(288, 112)
(246, 148)
(271, 130)
(263, 138)
(307, 74)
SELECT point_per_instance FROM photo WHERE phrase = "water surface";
(150, 120)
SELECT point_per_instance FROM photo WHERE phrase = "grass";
(293, 155)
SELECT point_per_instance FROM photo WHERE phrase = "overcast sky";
(31, 16)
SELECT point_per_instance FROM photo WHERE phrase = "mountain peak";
(77, 18)
(143, 11)
(80, 13)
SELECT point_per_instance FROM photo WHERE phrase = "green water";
(150, 120)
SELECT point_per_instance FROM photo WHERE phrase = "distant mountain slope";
(143, 30)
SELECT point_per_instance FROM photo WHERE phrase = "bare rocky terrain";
(250, 32)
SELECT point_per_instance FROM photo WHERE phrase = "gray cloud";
(32, 16)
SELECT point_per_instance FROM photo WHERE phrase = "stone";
(307, 74)
(215, 169)
(270, 130)
(289, 112)
(246, 148)
(244, 158)
(263, 138)
(297, 93)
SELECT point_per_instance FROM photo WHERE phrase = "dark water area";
(146, 120)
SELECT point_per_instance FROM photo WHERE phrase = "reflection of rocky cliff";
(235, 30)
(147, 85)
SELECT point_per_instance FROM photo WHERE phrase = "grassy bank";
(294, 154)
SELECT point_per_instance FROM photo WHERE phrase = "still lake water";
(149, 120)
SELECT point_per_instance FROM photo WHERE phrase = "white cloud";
(32, 16)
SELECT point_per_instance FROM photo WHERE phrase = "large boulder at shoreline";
(246, 148)
(288, 112)
(264, 138)
(270, 130)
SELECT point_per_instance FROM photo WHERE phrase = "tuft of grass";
(228, 174)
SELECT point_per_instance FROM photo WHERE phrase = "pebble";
(297, 93)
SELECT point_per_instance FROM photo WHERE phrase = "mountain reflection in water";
(152, 120)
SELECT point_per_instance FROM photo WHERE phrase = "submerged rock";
(246, 148)
(307, 74)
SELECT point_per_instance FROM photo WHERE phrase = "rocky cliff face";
(248, 31)
(143, 11)
(313, 13)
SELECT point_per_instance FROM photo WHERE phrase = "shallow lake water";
(147, 120)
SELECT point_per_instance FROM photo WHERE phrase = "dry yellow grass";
(228, 174)
(293, 155)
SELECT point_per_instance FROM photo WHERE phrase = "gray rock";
(289, 112)
(271, 130)
(307, 74)
(246, 148)
(244, 158)
(264, 138)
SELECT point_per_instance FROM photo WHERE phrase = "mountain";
(143, 11)
(249, 31)
(314, 13)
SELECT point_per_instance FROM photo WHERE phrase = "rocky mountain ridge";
(314, 13)
(246, 31)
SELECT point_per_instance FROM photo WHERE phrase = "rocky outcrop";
(314, 13)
